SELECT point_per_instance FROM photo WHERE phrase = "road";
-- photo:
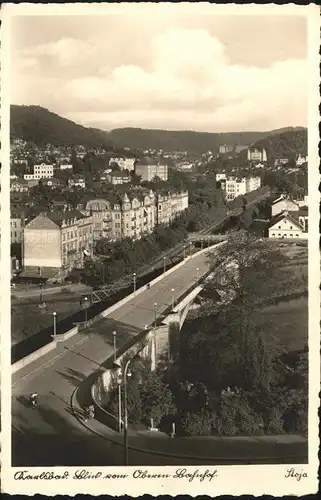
(50, 434)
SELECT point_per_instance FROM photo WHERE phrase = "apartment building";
(57, 240)
(148, 168)
(19, 186)
(225, 148)
(133, 215)
(237, 186)
(120, 177)
(77, 181)
(284, 203)
(16, 228)
(42, 171)
(100, 211)
(169, 205)
(256, 154)
(123, 162)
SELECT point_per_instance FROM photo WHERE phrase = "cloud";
(182, 77)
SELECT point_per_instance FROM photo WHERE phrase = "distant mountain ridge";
(41, 126)
(198, 142)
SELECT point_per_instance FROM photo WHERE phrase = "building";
(123, 162)
(100, 211)
(302, 202)
(237, 186)
(148, 168)
(169, 205)
(185, 166)
(284, 203)
(16, 228)
(54, 183)
(300, 160)
(19, 186)
(120, 177)
(42, 171)
(239, 148)
(225, 148)
(65, 166)
(57, 240)
(256, 154)
(286, 225)
(281, 161)
(77, 181)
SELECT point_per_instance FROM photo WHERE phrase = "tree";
(156, 399)
(197, 423)
(249, 270)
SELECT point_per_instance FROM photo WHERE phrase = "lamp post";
(184, 251)
(201, 243)
(86, 312)
(197, 273)
(114, 344)
(134, 276)
(54, 314)
(40, 297)
(155, 314)
(173, 300)
(126, 411)
(119, 381)
(164, 265)
(190, 248)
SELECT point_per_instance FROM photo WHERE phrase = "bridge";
(54, 376)
(53, 435)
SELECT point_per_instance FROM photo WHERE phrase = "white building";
(256, 154)
(42, 171)
(237, 186)
(123, 162)
(300, 160)
(77, 182)
(65, 167)
(287, 226)
(284, 203)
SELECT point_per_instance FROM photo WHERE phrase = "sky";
(163, 68)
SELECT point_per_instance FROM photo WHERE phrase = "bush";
(235, 416)
(197, 424)
(274, 422)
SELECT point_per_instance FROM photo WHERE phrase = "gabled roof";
(285, 215)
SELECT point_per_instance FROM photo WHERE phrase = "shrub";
(274, 422)
(235, 416)
(197, 424)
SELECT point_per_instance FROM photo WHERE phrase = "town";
(159, 230)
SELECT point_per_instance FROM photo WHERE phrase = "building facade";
(237, 186)
(287, 226)
(256, 154)
(42, 171)
(149, 168)
(57, 240)
(16, 229)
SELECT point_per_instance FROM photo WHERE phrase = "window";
(279, 227)
(291, 227)
(291, 235)
(273, 235)
(297, 235)
(279, 234)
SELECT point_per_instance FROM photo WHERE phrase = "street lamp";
(155, 315)
(164, 265)
(173, 300)
(134, 275)
(86, 312)
(54, 314)
(115, 347)
(184, 251)
(190, 248)
(197, 272)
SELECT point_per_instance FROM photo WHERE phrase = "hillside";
(40, 126)
(286, 144)
(198, 142)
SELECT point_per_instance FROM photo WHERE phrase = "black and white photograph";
(163, 316)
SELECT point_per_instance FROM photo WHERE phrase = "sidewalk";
(205, 449)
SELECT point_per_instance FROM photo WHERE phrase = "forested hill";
(40, 126)
(198, 142)
(286, 144)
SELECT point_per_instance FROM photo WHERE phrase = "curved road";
(51, 434)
